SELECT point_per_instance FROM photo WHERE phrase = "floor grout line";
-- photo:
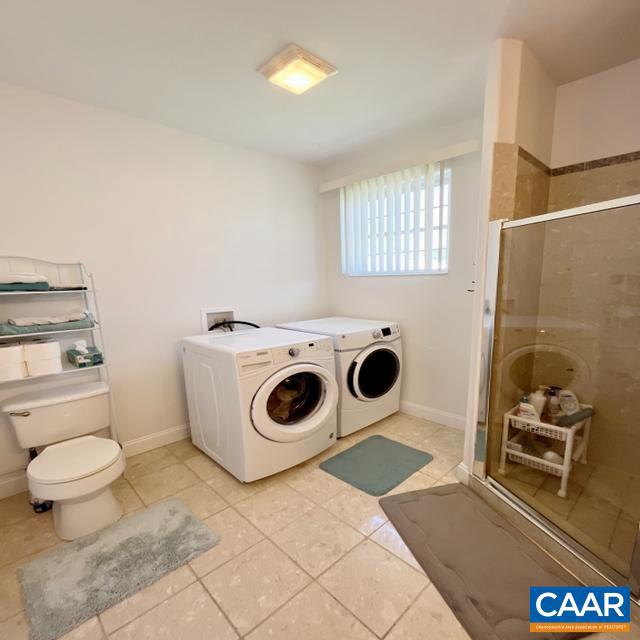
(392, 627)
(219, 606)
(266, 538)
(362, 622)
(155, 606)
(104, 632)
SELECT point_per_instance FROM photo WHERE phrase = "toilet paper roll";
(11, 354)
(44, 367)
(41, 350)
(13, 371)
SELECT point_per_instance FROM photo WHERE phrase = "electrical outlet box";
(212, 315)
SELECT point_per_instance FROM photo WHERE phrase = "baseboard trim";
(155, 440)
(435, 415)
(462, 473)
(13, 483)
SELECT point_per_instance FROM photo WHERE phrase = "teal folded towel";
(7, 329)
(573, 418)
(25, 286)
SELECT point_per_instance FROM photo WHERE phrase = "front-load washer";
(261, 401)
(368, 367)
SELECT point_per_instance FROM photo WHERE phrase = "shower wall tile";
(590, 305)
(503, 181)
(532, 186)
(520, 183)
(594, 185)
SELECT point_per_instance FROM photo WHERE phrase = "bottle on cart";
(526, 409)
(539, 400)
(553, 403)
(568, 402)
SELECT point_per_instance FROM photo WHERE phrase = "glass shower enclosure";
(562, 319)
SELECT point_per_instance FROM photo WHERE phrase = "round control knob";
(294, 351)
(377, 334)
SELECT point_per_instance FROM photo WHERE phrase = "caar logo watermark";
(567, 609)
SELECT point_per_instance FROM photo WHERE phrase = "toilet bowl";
(553, 364)
(75, 469)
(76, 475)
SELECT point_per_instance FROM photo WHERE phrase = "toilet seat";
(75, 468)
(73, 459)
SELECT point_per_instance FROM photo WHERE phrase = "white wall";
(536, 105)
(405, 148)
(168, 223)
(594, 117)
(434, 311)
(519, 100)
(597, 116)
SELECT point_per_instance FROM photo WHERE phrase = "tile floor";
(301, 555)
(601, 510)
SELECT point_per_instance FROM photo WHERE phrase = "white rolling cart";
(575, 441)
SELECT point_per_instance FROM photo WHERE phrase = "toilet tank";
(45, 417)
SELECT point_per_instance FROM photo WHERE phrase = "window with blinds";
(397, 224)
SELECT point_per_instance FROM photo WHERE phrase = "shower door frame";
(478, 466)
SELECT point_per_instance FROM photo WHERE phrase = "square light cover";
(296, 69)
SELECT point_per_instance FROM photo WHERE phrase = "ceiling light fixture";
(296, 69)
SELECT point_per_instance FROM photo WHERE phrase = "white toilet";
(75, 469)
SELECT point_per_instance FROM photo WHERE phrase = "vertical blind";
(397, 223)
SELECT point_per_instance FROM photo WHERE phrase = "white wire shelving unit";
(35, 303)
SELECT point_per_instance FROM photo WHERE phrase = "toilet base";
(80, 516)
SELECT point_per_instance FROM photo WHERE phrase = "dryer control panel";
(385, 332)
(388, 332)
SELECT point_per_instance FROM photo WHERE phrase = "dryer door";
(373, 372)
(294, 402)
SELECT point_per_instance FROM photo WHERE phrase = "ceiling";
(190, 64)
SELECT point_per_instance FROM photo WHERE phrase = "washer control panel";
(249, 362)
(302, 351)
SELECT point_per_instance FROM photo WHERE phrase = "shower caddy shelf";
(60, 274)
(575, 439)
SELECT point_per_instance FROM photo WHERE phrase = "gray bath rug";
(79, 580)
(481, 565)
(376, 465)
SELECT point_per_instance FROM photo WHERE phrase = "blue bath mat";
(76, 581)
(376, 465)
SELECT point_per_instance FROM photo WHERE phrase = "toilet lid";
(73, 459)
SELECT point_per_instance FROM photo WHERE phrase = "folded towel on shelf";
(32, 321)
(25, 286)
(7, 329)
(73, 287)
(14, 277)
(574, 418)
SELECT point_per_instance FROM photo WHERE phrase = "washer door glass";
(295, 398)
(373, 372)
(294, 402)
